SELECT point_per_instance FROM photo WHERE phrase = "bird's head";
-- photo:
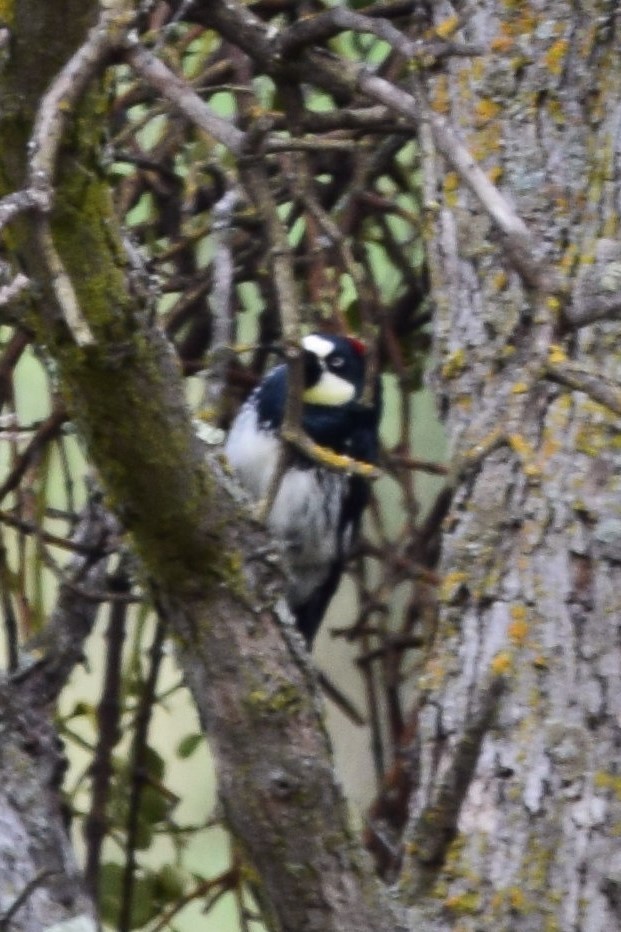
(333, 369)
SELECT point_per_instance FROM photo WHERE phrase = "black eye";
(336, 362)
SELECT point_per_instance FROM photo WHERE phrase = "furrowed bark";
(531, 586)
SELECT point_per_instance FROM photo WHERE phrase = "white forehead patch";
(317, 345)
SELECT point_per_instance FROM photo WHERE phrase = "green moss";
(464, 904)
(591, 439)
(608, 781)
(282, 698)
(7, 12)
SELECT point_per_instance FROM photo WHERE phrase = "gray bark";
(531, 590)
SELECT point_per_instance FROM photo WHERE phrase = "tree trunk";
(515, 824)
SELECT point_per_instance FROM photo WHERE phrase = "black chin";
(312, 369)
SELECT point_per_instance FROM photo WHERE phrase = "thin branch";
(437, 823)
(521, 243)
(597, 387)
(181, 95)
(109, 733)
(6, 918)
(220, 885)
(401, 461)
(525, 252)
(590, 309)
(63, 287)
(65, 543)
(221, 298)
(14, 204)
(61, 640)
(138, 758)
(46, 432)
(329, 23)
(255, 176)
(11, 626)
(11, 291)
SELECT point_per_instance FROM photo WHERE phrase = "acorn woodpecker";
(316, 511)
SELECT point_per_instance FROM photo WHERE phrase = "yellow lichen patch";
(549, 447)
(556, 354)
(477, 70)
(441, 101)
(486, 110)
(555, 109)
(434, 675)
(454, 365)
(495, 174)
(553, 304)
(451, 584)
(607, 781)
(465, 903)
(521, 446)
(517, 899)
(518, 626)
(500, 282)
(523, 23)
(502, 663)
(555, 56)
(569, 258)
(7, 12)
(532, 472)
(487, 140)
(540, 662)
(447, 27)
(519, 388)
(591, 440)
(501, 44)
(451, 186)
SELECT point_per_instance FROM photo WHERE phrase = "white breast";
(306, 510)
(252, 453)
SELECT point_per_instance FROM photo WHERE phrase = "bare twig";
(597, 387)
(6, 919)
(217, 886)
(221, 297)
(330, 22)
(11, 291)
(14, 204)
(109, 733)
(61, 640)
(591, 309)
(437, 823)
(525, 252)
(138, 760)
(65, 543)
(181, 95)
(46, 432)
